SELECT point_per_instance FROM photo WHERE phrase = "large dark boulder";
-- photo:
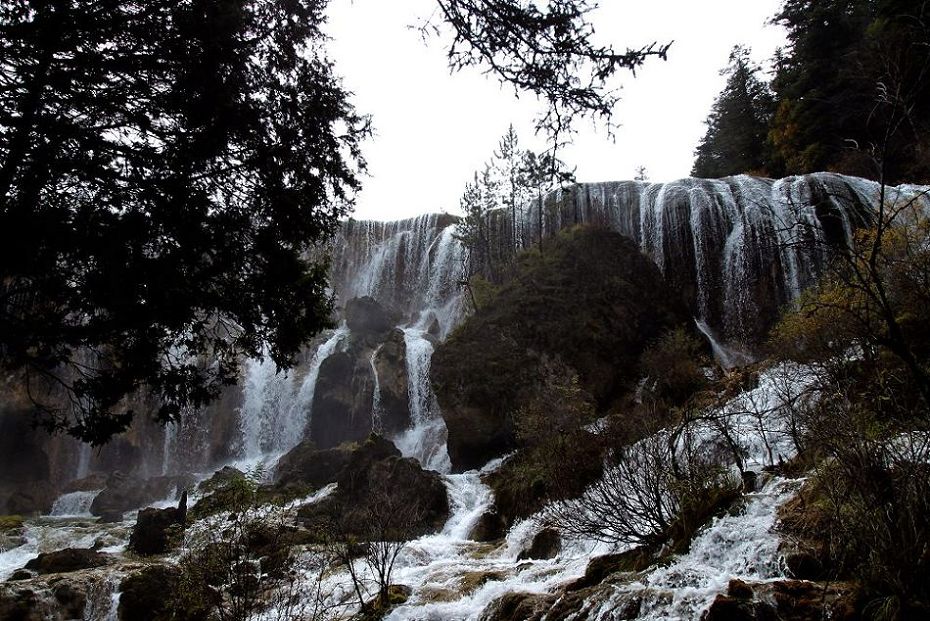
(69, 559)
(365, 315)
(787, 599)
(591, 299)
(342, 400)
(145, 596)
(546, 544)
(519, 607)
(376, 482)
(391, 365)
(305, 464)
(152, 533)
(125, 492)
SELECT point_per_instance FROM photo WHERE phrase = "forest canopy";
(850, 93)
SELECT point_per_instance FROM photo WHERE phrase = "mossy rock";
(375, 610)
(11, 523)
(591, 299)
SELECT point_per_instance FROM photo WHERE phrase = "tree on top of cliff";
(167, 167)
(738, 123)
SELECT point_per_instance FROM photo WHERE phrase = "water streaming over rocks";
(732, 245)
(74, 504)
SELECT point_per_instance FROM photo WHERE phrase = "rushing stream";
(710, 232)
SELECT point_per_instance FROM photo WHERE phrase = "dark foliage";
(164, 170)
(735, 141)
(546, 50)
(589, 299)
(851, 94)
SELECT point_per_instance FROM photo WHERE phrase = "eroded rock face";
(786, 599)
(546, 544)
(344, 396)
(375, 484)
(591, 300)
(366, 316)
(143, 594)
(341, 410)
(306, 464)
(152, 532)
(390, 364)
(124, 493)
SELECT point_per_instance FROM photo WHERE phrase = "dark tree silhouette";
(735, 141)
(165, 168)
(547, 51)
(168, 169)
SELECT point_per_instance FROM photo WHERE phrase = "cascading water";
(74, 504)
(426, 438)
(376, 409)
(276, 406)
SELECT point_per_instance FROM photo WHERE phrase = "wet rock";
(472, 580)
(20, 604)
(365, 315)
(726, 608)
(154, 530)
(71, 599)
(786, 599)
(111, 517)
(519, 607)
(95, 481)
(67, 560)
(376, 479)
(546, 544)
(600, 567)
(484, 372)
(804, 566)
(342, 400)
(124, 493)
(306, 464)
(143, 594)
(376, 609)
(490, 527)
(22, 574)
(750, 480)
(220, 479)
(391, 366)
(33, 498)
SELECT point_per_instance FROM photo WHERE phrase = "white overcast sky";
(433, 128)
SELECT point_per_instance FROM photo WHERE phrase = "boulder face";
(307, 465)
(143, 595)
(341, 410)
(394, 399)
(371, 368)
(379, 489)
(367, 316)
(589, 299)
(67, 560)
(124, 493)
(152, 531)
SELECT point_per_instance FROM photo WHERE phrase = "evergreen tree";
(508, 160)
(853, 89)
(165, 170)
(735, 141)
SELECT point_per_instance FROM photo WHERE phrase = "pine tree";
(735, 141)
(165, 170)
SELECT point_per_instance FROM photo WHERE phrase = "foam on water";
(74, 504)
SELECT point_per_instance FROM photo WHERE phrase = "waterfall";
(426, 438)
(376, 409)
(276, 407)
(411, 265)
(74, 504)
